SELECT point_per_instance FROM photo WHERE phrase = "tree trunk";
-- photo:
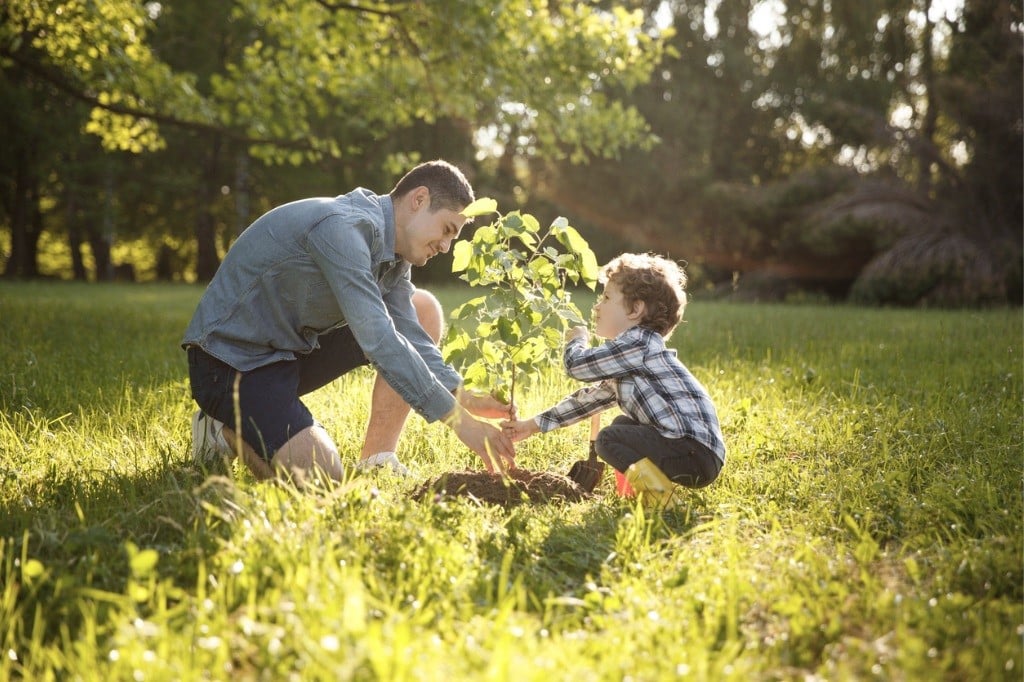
(73, 221)
(101, 255)
(242, 191)
(931, 114)
(206, 232)
(36, 231)
(21, 262)
(102, 240)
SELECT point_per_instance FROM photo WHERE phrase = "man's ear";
(420, 197)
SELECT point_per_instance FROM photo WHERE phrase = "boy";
(669, 431)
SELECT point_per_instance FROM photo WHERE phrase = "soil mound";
(518, 486)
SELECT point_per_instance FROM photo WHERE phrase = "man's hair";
(656, 281)
(448, 187)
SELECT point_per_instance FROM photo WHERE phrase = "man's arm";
(398, 302)
(341, 250)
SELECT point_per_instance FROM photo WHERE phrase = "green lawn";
(867, 524)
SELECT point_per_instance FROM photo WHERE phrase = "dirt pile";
(520, 485)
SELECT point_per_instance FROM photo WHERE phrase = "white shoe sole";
(208, 444)
(385, 460)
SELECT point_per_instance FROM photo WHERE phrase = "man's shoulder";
(362, 198)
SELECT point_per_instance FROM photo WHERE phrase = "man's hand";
(486, 406)
(486, 440)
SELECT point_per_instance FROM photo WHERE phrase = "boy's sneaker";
(383, 459)
(650, 482)
(208, 443)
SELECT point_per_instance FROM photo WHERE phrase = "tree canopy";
(302, 81)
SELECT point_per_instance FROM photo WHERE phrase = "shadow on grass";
(613, 536)
(79, 528)
(64, 542)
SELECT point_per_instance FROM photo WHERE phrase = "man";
(313, 289)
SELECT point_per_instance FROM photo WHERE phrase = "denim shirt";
(313, 265)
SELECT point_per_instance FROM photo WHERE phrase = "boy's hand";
(518, 430)
(578, 332)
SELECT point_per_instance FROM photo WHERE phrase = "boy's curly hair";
(656, 281)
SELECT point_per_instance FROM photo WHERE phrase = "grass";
(867, 523)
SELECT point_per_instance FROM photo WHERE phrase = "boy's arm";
(577, 407)
(613, 359)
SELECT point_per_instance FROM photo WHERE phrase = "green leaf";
(455, 344)
(481, 206)
(513, 221)
(570, 238)
(469, 308)
(553, 336)
(589, 269)
(527, 239)
(476, 375)
(461, 254)
(486, 235)
(508, 332)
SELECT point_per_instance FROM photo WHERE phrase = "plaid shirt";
(648, 382)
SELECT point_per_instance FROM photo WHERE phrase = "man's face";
(429, 233)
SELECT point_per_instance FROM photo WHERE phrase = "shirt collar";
(388, 208)
(645, 333)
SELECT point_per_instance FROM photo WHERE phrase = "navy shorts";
(268, 397)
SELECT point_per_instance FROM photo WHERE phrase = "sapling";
(502, 339)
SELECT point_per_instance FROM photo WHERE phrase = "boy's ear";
(638, 310)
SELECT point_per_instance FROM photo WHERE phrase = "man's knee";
(429, 312)
(307, 451)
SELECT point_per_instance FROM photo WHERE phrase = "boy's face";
(612, 315)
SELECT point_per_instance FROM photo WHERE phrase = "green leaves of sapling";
(518, 326)
(481, 206)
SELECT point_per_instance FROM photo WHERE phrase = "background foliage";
(867, 149)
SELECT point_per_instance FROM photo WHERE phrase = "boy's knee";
(429, 312)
